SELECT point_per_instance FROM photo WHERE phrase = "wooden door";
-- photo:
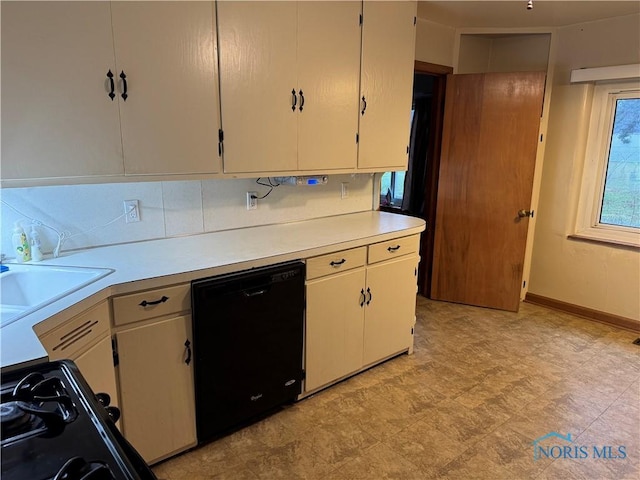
(156, 387)
(391, 307)
(388, 44)
(334, 326)
(489, 144)
(257, 74)
(170, 118)
(329, 77)
(57, 117)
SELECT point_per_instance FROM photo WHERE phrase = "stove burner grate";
(35, 406)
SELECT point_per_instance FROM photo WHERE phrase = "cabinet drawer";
(336, 262)
(152, 303)
(78, 333)
(397, 247)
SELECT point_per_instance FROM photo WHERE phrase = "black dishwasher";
(247, 330)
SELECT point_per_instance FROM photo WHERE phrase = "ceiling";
(514, 13)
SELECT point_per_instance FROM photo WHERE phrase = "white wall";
(434, 42)
(171, 208)
(593, 275)
(480, 53)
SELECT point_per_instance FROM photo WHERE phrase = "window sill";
(391, 208)
(626, 239)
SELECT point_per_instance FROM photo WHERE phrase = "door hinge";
(407, 149)
(114, 351)
(524, 284)
(360, 21)
(415, 20)
(304, 374)
(541, 137)
(357, 138)
(220, 142)
(411, 330)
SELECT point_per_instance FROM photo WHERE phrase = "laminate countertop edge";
(157, 263)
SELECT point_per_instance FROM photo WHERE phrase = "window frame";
(595, 167)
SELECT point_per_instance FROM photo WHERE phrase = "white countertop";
(157, 263)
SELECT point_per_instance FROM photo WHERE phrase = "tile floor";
(481, 386)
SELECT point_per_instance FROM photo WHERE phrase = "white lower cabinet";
(334, 327)
(155, 370)
(156, 387)
(390, 308)
(86, 340)
(358, 315)
(96, 366)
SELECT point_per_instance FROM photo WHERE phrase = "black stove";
(53, 427)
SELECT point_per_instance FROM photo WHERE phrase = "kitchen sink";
(25, 288)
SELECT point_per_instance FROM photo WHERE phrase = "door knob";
(525, 213)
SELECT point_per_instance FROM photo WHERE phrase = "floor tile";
(481, 386)
(379, 462)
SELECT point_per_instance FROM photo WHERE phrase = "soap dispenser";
(36, 247)
(20, 244)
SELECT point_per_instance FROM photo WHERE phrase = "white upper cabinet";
(107, 89)
(170, 118)
(63, 117)
(289, 76)
(257, 75)
(388, 45)
(328, 75)
(57, 117)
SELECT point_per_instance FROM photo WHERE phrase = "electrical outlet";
(344, 193)
(132, 211)
(252, 200)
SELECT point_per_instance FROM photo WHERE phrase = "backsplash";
(169, 209)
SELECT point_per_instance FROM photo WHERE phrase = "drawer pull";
(337, 264)
(394, 249)
(144, 303)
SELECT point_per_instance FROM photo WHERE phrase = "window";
(392, 189)
(609, 206)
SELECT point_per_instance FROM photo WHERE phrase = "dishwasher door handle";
(255, 293)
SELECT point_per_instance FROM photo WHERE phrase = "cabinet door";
(170, 118)
(257, 75)
(96, 366)
(156, 387)
(389, 315)
(388, 46)
(57, 117)
(328, 75)
(334, 323)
